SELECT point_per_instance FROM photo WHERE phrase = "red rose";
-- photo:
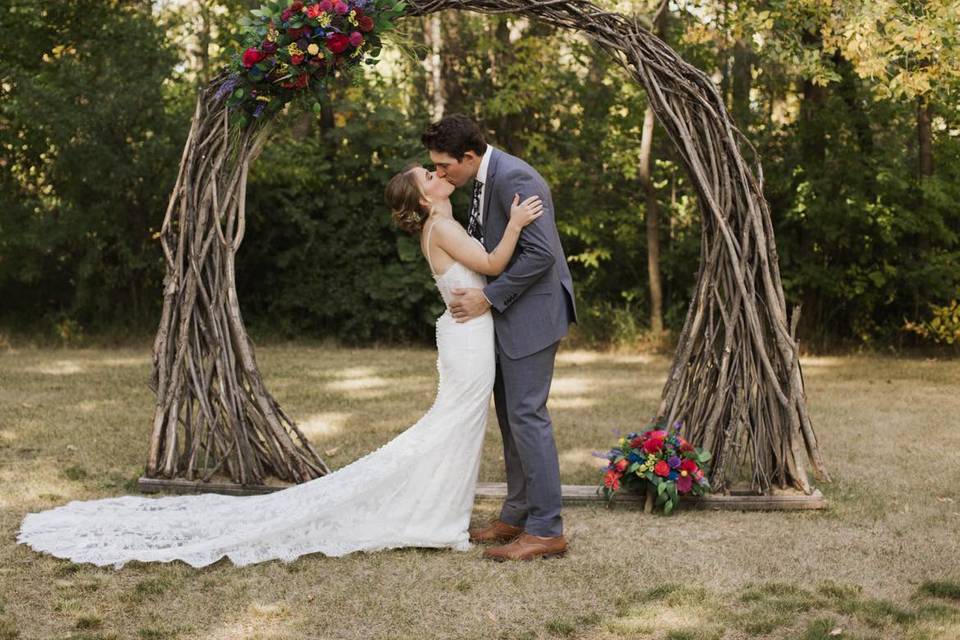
(252, 56)
(296, 59)
(621, 465)
(653, 445)
(338, 43)
(299, 83)
(299, 32)
(662, 469)
(688, 465)
(268, 47)
(287, 13)
(366, 23)
(314, 11)
(636, 442)
(296, 6)
(685, 446)
(657, 434)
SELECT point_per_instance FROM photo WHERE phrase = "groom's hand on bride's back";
(469, 304)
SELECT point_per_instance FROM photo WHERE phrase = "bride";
(416, 490)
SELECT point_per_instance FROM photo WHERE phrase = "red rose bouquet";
(659, 459)
(294, 48)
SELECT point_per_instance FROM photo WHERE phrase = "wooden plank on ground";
(573, 494)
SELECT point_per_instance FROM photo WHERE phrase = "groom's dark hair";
(454, 135)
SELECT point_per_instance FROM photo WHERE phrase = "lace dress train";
(416, 490)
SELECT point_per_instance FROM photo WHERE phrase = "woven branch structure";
(735, 383)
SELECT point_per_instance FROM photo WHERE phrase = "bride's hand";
(523, 213)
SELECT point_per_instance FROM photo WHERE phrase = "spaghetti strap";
(426, 250)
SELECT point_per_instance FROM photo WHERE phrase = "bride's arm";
(454, 239)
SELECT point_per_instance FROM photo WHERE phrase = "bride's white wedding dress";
(416, 490)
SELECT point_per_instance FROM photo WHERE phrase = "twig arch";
(735, 383)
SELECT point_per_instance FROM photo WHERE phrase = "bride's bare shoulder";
(445, 228)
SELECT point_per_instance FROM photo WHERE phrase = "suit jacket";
(533, 298)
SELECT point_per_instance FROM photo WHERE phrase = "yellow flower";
(325, 20)
(352, 18)
(263, 98)
(272, 34)
(294, 50)
(313, 49)
(683, 474)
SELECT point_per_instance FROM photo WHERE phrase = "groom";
(533, 306)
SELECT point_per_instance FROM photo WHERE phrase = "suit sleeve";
(533, 256)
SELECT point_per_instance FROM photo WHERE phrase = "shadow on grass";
(779, 610)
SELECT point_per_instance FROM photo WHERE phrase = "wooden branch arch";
(735, 383)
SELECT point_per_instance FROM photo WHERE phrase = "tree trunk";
(741, 84)
(653, 223)
(924, 138)
(434, 67)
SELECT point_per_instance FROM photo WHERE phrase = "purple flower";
(259, 110)
(227, 87)
(674, 462)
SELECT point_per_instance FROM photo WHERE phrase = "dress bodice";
(457, 276)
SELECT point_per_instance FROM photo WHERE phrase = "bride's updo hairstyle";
(403, 197)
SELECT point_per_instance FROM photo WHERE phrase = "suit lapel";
(488, 187)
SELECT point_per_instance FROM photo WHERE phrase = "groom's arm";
(534, 256)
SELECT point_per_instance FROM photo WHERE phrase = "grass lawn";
(882, 562)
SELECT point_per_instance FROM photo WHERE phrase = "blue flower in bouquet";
(633, 457)
(673, 475)
(674, 462)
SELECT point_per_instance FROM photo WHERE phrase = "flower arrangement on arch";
(293, 48)
(660, 459)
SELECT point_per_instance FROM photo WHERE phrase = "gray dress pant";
(533, 470)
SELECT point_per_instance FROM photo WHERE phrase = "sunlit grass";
(880, 563)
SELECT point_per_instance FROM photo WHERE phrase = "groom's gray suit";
(533, 307)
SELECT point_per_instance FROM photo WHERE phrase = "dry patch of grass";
(882, 562)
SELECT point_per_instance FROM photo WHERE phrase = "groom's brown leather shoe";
(528, 547)
(497, 531)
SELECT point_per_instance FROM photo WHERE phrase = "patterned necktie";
(473, 226)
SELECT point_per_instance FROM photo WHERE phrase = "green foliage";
(943, 327)
(93, 116)
(327, 260)
(89, 147)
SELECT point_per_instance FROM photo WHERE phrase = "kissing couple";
(509, 301)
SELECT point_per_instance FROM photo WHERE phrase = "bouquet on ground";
(293, 47)
(660, 460)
